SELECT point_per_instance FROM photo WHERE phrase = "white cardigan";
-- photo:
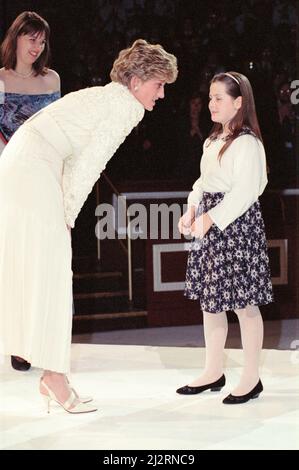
(95, 122)
(241, 175)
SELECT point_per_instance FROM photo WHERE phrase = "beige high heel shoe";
(82, 399)
(71, 405)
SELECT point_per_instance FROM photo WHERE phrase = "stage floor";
(134, 388)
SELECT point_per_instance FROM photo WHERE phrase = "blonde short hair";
(146, 61)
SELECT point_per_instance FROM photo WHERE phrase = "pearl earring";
(136, 88)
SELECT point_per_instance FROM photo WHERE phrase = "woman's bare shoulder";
(3, 73)
(52, 80)
(3, 78)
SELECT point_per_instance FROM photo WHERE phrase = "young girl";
(228, 266)
(26, 84)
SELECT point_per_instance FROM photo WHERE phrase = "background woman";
(26, 84)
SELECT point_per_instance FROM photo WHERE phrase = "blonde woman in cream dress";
(47, 171)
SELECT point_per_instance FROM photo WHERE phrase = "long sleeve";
(195, 195)
(119, 113)
(249, 179)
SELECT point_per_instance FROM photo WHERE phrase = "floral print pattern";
(229, 269)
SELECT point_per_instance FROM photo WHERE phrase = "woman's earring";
(136, 88)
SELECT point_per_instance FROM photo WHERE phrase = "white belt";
(48, 128)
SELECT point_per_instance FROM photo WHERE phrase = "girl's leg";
(252, 333)
(215, 333)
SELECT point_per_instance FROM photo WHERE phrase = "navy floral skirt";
(229, 269)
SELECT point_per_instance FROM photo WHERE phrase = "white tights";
(252, 335)
(215, 333)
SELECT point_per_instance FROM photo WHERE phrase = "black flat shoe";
(214, 387)
(235, 400)
(19, 365)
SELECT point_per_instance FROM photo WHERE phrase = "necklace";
(22, 75)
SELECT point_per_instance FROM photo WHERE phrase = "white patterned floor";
(134, 388)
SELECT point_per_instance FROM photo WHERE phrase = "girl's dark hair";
(246, 116)
(27, 22)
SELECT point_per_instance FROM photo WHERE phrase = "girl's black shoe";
(19, 365)
(235, 400)
(214, 387)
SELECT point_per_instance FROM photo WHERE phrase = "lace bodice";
(96, 121)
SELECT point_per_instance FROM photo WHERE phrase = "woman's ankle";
(58, 384)
(50, 374)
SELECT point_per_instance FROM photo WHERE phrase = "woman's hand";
(186, 221)
(201, 226)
